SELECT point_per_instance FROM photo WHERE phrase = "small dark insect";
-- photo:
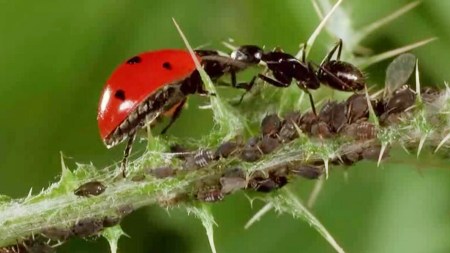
(93, 188)
(250, 154)
(87, 227)
(333, 114)
(268, 144)
(203, 157)
(321, 129)
(226, 149)
(111, 221)
(210, 195)
(357, 108)
(307, 120)
(270, 125)
(233, 180)
(57, 234)
(260, 183)
(307, 171)
(360, 131)
(162, 172)
(402, 99)
(289, 131)
(35, 246)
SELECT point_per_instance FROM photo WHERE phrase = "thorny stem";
(59, 207)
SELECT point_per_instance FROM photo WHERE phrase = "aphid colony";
(345, 120)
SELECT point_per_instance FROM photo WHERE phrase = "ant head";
(248, 54)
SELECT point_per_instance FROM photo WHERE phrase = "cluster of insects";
(48, 239)
(157, 83)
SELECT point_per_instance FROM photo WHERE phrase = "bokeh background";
(56, 55)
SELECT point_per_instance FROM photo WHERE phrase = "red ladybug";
(150, 85)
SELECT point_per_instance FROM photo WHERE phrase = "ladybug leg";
(126, 153)
(174, 116)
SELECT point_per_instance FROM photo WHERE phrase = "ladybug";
(150, 85)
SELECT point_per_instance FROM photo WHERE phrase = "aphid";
(333, 114)
(268, 144)
(212, 194)
(35, 246)
(111, 221)
(232, 180)
(147, 86)
(307, 171)
(338, 74)
(226, 149)
(203, 158)
(87, 227)
(251, 152)
(360, 131)
(261, 183)
(289, 129)
(57, 234)
(307, 120)
(356, 108)
(321, 129)
(93, 188)
(270, 125)
(402, 99)
(399, 96)
(162, 172)
(398, 72)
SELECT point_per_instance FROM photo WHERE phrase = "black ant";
(284, 67)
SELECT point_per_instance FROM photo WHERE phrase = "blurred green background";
(56, 55)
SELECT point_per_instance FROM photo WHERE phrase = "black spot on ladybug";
(167, 65)
(120, 94)
(134, 60)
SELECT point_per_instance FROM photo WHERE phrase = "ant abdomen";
(341, 76)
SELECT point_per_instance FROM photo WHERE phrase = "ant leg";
(338, 47)
(175, 115)
(273, 82)
(311, 100)
(304, 53)
(126, 153)
(247, 86)
(233, 78)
